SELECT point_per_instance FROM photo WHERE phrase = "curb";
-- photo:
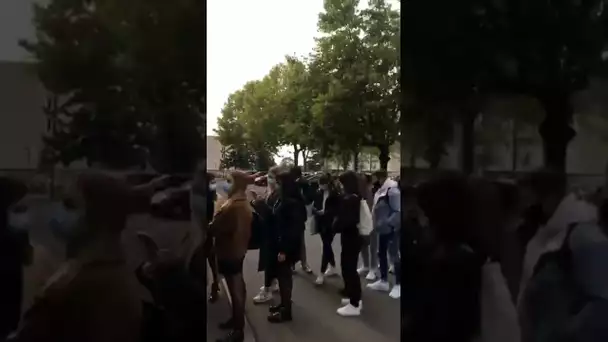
(250, 333)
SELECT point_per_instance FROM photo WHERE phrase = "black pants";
(327, 258)
(285, 277)
(351, 246)
(269, 275)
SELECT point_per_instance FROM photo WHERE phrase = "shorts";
(228, 267)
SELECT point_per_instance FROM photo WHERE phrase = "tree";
(381, 25)
(449, 60)
(550, 51)
(76, 53)
(340, 107)
(127, 76)
(297, 100)
(245, 129)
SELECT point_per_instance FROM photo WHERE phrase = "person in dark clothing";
(15, 252)
(307, 196)
(444, 279)
(324, 209)
(346, 223)
(285, 242)
(267, 261)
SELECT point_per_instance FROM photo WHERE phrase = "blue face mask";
(227, 187)
(64, 223)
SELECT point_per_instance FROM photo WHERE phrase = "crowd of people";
(363, 209)
(481, 259)
(504, 260)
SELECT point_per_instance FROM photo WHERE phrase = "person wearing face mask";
(266, 262)
(347, 224)
(15, 253)
(231, 229)
(202, 203)
(94, 295)
(369, 251)
(325, 204)
(284, 241)
(306, 198)
(386, 213)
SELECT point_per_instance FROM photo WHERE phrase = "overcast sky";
(245, 38)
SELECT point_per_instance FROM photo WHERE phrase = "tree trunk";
(305, 158)
(356, 160)
(468, 141)
(296, 155)
(384, 156)
(556, 129)
(514, 146)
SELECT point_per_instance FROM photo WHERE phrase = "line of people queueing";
(338, 207)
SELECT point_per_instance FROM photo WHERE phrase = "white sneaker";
(346, 301)
(349, 311)
(330, 271)
(263, 297)
(395, 292)
(320, 280)
(379, 285)
(362, 270)
(371, 275)
(273, 288)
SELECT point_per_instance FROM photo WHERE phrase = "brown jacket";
(231, 227)
(89, 299)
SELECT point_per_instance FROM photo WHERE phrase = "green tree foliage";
(550, 50)
(359, 53)
(343, 97)
(128, 79)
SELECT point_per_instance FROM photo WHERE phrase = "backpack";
(552, 299)
(387, 200)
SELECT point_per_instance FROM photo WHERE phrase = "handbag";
(311, 225)
(499, 319)
(366, 224)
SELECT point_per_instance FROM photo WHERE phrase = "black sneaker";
(274, 308)
(229, 324)
(280, 316)
(233, 336)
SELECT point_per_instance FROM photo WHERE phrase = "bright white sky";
(245, 38)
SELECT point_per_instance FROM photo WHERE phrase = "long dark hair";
(327, 179)
(11, 192)
(288, 186)
(351, 183)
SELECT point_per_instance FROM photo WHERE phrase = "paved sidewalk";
(314, 308)
(217, 313)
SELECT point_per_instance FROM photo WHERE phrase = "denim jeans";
(369, 251)
(388, 245)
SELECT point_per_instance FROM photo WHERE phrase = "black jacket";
(347, 215)
(14, 247)
(289, 216)
(325, 221)
(263, 207)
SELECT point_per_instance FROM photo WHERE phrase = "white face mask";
(19, 221)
